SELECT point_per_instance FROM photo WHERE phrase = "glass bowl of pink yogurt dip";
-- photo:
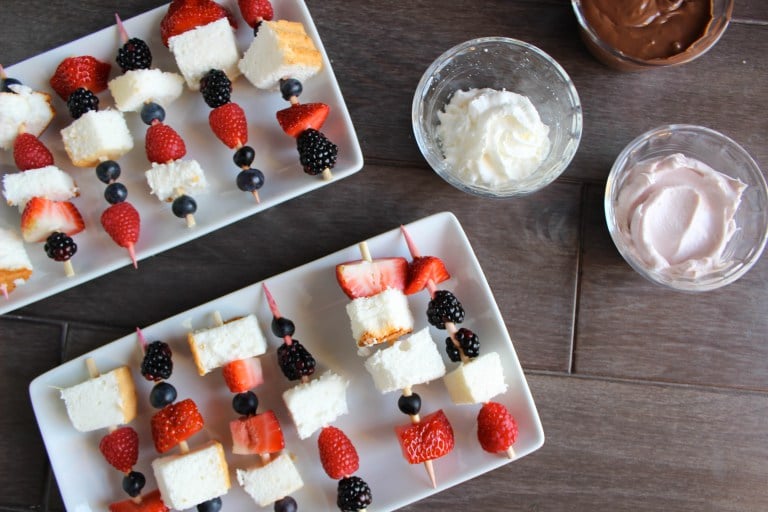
(497, 117)
(687, 207)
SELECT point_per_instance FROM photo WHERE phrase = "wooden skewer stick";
(274, 310)
(217, 319)
(69, 270)
(121, 29)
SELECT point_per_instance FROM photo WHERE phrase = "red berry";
(184, 15)
(30, 153)
(366, 278)
(243, 374)
(123, 223)
(299, 117)
(163, 144)
(256, 434)
(175, 423)
(150, 502)
(84, 71)
(42, 217)
(429, 439)
(121, 448)
(496, 428)
(337, 453)
(254, 11)
(422, 270)
(229, 124)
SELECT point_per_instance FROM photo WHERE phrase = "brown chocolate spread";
(649, 29)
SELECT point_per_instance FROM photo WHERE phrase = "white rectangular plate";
(223, 203)
(311, 297)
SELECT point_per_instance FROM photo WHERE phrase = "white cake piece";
(207, 47)
(136, 87)
(49, 182)
(280, 49)
(317, 403)
(15, 267)
(477, 380)
(97, 135)
(276, 480)
(237, 339)
(23, 109)
(380, 318)
(190, 478)
(414, 360)
(109, 399)
(180, 175)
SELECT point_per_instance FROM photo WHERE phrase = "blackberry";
(444, 307)
(60, 247)
(290, 87)
(316, 153)
(468, 342)
(161, 395)
(216, 88)
(133, 483)
(282, 327)
(409, 404)
(81, 101)
(157, 363)
(213, 505)
(450, 349)
(353, 494)
(286, 504)
(295, 360)
(134, 54)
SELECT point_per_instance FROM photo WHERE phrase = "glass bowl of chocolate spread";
(634, 35)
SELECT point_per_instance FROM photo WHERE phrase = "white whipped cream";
(491, 137)
(677, 214)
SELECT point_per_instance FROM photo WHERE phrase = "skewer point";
(327, 174)
(431, 472)
(256, 196)
(132, 254)
(511, 453)
(190, 220)
(69, 270)
(4, 290)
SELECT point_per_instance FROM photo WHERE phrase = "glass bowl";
(609, 55)
(720, 153)
(503, 64)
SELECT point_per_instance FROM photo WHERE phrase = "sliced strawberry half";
(364, 278)
(429, 439)
(175, 423)
(256, 434)
(84, 71)
(299, 117)
(150, 502)
(42, 217)
(422, 270)
(184, 15)
(243, 374)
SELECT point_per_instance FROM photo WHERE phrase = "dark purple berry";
(353, 494)
(115, 193)
(183, 205)
(245, 404)
(295, 361)
(161, 395)
(453, 352)
(216, 88)
(250, 180)
(213, 505)
(468, 342)
(81, 101)
(290, 87)
(244, 156)
(157, 363)
(151, 112)
(409, 404)
(282, 327)
(108, 171)
(133, 483)
(316, 153)
(286, 504)
(60, 247)
(134, 54)
(444, 307)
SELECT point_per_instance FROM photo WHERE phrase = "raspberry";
(121, 448)
(496, 428)
(337, 453)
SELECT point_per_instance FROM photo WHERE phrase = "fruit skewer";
(338, 455)
(497, 428)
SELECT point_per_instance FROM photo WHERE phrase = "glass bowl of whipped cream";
(497, 117)
(687, 207)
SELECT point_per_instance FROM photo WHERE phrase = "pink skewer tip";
(274, 309)
(132, 253)
(142, 340)
(411, 245)
(4, 290)
(121, 29)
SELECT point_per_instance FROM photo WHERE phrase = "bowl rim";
(613, 229)
(594, 38)
(435, 163)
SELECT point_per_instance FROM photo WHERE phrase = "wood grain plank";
(26, 351)
(629, 327)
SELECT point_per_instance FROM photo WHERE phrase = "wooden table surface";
(650, 399)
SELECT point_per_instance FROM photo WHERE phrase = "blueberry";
(133, 483)
(115, 193)
(250, 180)
(152, 111)
(246, 403)
(213, 505)
(282, 327)
(183, 206)
(290, 87)
(286, 504)
(6, 82)
(244, 156)
(108, 171)
(161, 395)
(410, 404)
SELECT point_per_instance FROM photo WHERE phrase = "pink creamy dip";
(676, 214)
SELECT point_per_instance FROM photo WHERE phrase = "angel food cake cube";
(136, 87)
(317, 403)
(476, 381)
(237, 339)
(25, 108)
(207, 47)
(101, 402)
(414, 360)
(280, 49)
(166, 180)
(267, 484)
(380, 318)
(15, 267)
(49, 182)
(187, 479)
(97, 135)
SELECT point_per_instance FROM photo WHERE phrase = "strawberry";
(163, 144)
(366, 278)
(42, 217)
(121, 448)
(496, 428)
(243, 374)
(150, 502)
(30, 153)
(84, 71)
(122, 222)
(175, 423)
(337, 453)
(429, 439)
(254, 11)
(257, 434)
(302, 116)
(184, 15)
(422, 270)
(229, 124)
